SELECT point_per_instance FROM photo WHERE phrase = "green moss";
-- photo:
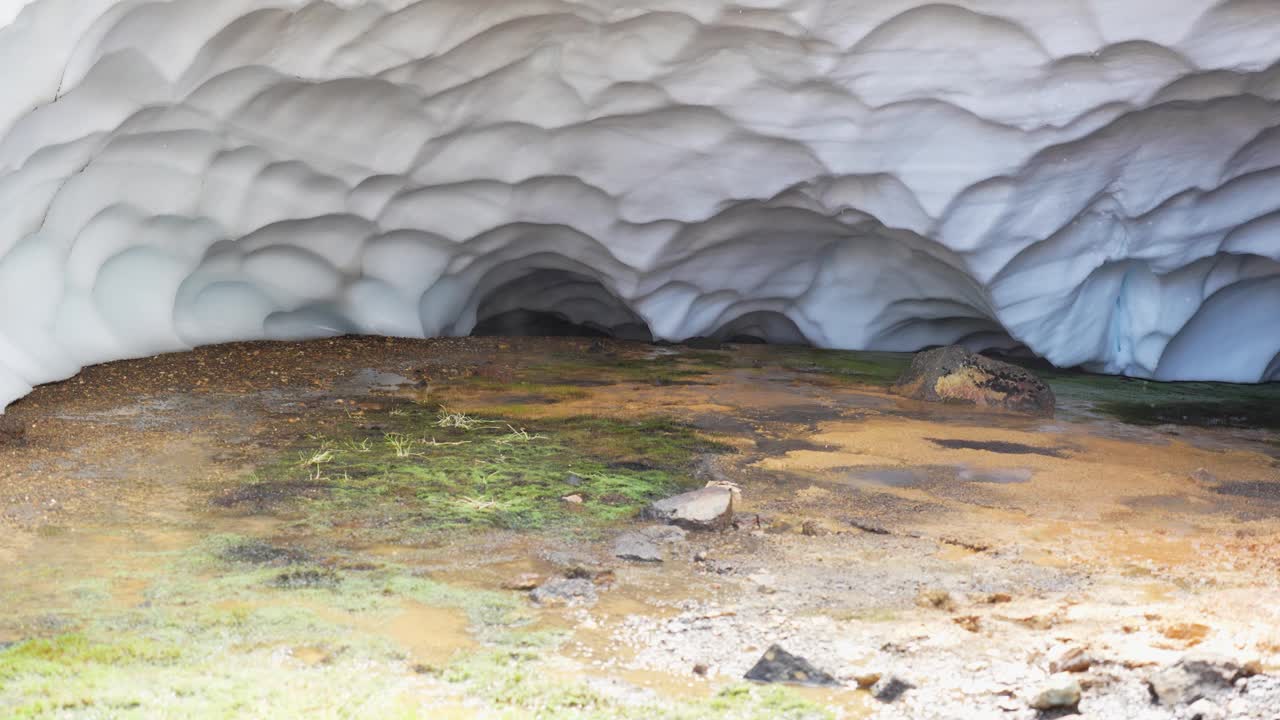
(548, 392)
(859, 368)
(667, 368)
(69, 654)
(517, 682)
(427, 470)
(1146, 402)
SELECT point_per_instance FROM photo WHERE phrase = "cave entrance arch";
(562, 303)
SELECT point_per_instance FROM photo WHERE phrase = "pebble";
(1059, 691)
(1203, 709)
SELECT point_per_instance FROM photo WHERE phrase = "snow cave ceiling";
(1096, 180)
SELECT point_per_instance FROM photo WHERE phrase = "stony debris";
(937, 600)
(1204, 709)
(523, 582)
(646, 544)
(953, 374)
(637, 548)
(12, 430)
(565, 591)
(1069, 659)
(1058, 692)
(890, 689)
(779, 666)
(1196, 676)
(710, 508)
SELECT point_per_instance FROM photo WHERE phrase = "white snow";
(1099, 181)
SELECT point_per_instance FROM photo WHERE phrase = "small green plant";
(459, 421)
(315, 461)
(402, 445)
(519, 436)
(359, 446)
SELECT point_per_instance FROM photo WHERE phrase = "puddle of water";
(1254, 490)
(998, 476)
(996, 446)
(906, 477)
(370, 380)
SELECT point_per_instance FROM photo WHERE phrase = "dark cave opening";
(557, 303)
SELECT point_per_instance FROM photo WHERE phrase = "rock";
(636, 547)
(573, 499)
(1069, 659)
(665, 534)
(1195, 676)
(710, 508)
(645, 545)
(565, 591)
(890, 689)
(1058, 692)
(524, 582)
(936, 599)
(765, 582)
(1203, 709)
(866, 680)
(779, 666)
(953, 374)
(12, 430)
(574, 480)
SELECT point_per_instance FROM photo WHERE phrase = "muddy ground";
(350, 528)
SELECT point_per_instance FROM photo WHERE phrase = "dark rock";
(953, 374)
(645, 545)
(565, 591)
(636, 547)
(12, 430)
(890, 689)
(710, 508)
(1196, 676)
(779, 666)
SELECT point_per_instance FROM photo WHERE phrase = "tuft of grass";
(458, 421)
(400, 444)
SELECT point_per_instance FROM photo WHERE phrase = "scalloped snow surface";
(1098, 180)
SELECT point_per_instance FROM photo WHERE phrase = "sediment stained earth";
(353, 528)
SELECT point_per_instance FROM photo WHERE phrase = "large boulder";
(955, 375)
(1197, 676)
(710, 508)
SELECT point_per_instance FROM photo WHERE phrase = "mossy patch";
(674, 367)
(1146, 402)
(878, 369)
(425, 469)
(517, 683)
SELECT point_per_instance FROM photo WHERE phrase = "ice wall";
(1096, 179)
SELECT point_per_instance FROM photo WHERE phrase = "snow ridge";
(1087, 178)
